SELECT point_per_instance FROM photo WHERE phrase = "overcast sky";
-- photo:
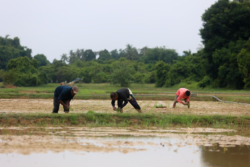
(54, 27)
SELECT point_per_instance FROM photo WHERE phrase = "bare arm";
(113, 104)
(65, 105)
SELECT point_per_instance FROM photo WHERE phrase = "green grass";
(106, 88)
(124, 120)
(141, 92)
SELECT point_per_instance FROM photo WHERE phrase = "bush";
(204, 82)
(139, 78)
(101, 77)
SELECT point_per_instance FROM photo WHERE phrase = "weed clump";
(90, 112)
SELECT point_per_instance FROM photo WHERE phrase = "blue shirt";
(63, 93)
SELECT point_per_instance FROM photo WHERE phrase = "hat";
(75, 89)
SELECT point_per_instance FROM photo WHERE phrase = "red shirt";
(181, 93)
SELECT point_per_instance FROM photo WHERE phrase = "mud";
(107, 140)
(148, 106)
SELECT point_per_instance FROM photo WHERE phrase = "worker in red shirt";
(182, 93)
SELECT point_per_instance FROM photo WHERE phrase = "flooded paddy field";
(104, 106)
(203, 136)
(103, 146)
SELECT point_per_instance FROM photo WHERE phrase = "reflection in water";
(156, 152)
(110, 147)
(225, 157)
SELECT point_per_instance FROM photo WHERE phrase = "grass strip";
(89, 96)
(123, 120)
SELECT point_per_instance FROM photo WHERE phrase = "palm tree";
(64, 58)
(131, 52)
(72, 57)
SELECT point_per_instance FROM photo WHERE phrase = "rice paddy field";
(209, 133)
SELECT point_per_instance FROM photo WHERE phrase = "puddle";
(123, 147)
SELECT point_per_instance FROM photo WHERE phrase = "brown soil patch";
(89, 139)
(42, 144)
(104, 106)
(10, 86)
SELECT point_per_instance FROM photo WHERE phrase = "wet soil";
(40, 140)
(104, 106)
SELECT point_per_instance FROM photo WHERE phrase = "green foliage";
(100, 77)
(204, 82)
(42, 60)
(24, 72)
(162, 70)
(104, 55)
(130, 52)
(139, 78)
(10, 77)
(225, 30)
(126, 119)
(150, 78)
(228, 71)
(115, 54)
(243, 59)
(89, 55)
(85, 74)
(121, 73)
(90, 112)
(160, 54)
(11, 49)
(187, 68)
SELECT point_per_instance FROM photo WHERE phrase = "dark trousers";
(57, 105)
(133, 102)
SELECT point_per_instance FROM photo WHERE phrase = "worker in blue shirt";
(63, 95)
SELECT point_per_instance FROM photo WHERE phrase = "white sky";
(54, 27)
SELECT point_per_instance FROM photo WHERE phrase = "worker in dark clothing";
(123, 96)
(63, 95)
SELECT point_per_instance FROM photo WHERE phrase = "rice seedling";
(160, 106)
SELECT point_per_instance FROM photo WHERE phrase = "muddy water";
(123, 147)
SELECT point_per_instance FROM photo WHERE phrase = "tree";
(72, 57)
(160, 54)
(64, 58)
(115, 54)
(121, 73)
(187, 69)
(42, 60)
(243, 59)
(23, 72)
(89, 55)
(223, 23)
(104, 55)
(139, 78)
(100, 77)
(162, 70)
(131, 52)
(11, 49)
(228, 71)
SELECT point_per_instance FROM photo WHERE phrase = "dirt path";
(83, 106)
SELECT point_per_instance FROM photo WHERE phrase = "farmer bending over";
(182, 93)
(124, 95)
(63, 95)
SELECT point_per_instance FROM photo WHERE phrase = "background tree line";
(222, 62)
